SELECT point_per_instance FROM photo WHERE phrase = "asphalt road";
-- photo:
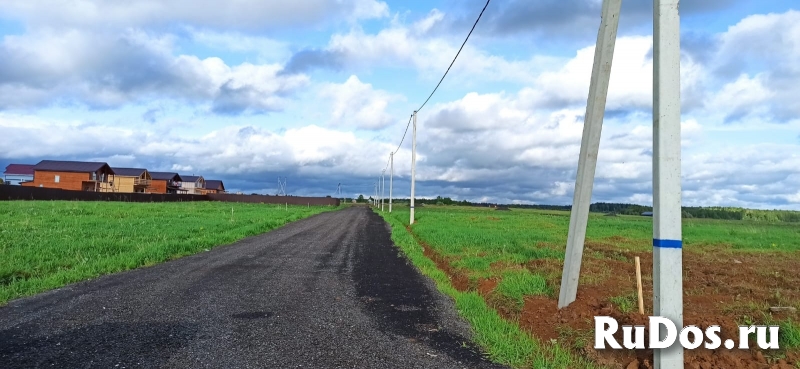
(330, 291)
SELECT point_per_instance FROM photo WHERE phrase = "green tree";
(361, 198)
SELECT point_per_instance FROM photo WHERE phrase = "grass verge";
(503, 341)
(49, 244)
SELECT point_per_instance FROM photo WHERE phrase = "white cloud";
(756, 62)
(401, 45)
(358, 104)
(109, 70)
(742, 97)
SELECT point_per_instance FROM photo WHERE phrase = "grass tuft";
(626, 303)
(517, 284)
(789, 335)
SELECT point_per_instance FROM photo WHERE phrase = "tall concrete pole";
(413, 165)
(590, 144)
(383, 186)
(667, 237)
(391, 178)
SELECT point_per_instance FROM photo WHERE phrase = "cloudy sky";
(320, 92)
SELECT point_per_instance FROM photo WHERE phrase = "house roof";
(191, 178)
(129, 172)
(21, 169)
(165, 176)
(213, 184)
(70, 166)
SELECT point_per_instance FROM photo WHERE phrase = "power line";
(401, 140)
(454, 59)
(440, 80)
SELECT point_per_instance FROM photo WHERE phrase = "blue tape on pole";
(412, 207)
(668, 244)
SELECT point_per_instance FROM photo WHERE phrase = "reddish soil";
(722, 287)
(486, 286)
(459, 280)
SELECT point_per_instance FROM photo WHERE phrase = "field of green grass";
(48, 244)
(483, 244)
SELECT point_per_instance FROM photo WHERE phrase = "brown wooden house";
(71, 175)
(212, 186)
(130, 180)
(165, 182)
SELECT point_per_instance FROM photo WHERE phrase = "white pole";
(590, 144)
(383, 186)
(413, 166)
(667, 238)
(391, 177)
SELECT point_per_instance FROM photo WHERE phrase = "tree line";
(715, 212)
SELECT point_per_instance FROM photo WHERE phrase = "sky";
(320, 92)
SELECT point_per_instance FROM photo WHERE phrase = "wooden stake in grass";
(639, 285)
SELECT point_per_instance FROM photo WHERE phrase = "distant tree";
(2, 182)
(361, 198)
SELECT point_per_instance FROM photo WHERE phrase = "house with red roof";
(18, 173)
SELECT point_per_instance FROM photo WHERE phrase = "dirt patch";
(722, 288)
(486, 286)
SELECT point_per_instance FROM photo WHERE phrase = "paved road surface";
(329, 291)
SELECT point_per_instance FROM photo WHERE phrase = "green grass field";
(48, 244)
(483, 244)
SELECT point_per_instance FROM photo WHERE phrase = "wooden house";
(193, 184)
(165, 182)
(16, 174)
(71, 175)
(130, 180)
(212, 186)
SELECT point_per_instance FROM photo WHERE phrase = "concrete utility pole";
(413, 165)
(383, 186)
(667, 237)
(590, 144)
(391, 177)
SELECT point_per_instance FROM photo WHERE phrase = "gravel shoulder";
(328, 291)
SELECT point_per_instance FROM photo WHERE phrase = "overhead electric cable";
(454, 59)
(401, 140)
(442, 79)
